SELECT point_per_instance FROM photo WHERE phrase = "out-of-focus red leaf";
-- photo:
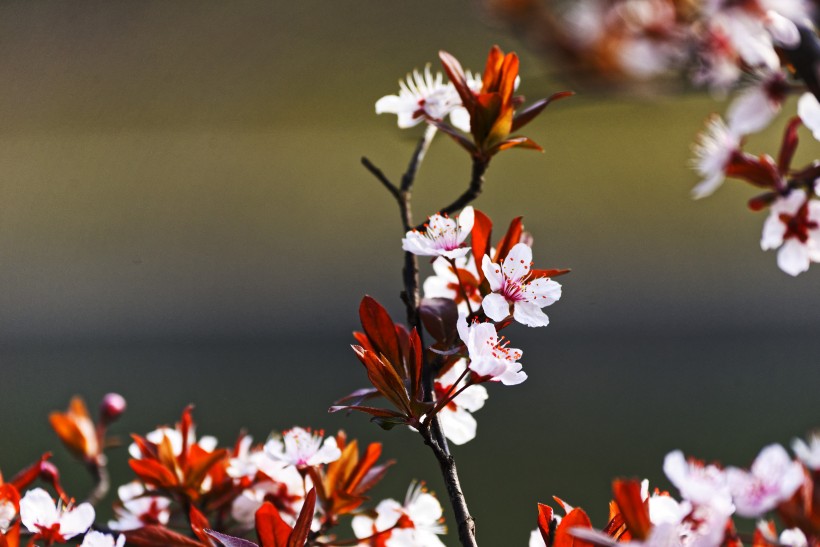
(151, 472)
(154, 535)
(480, 240)
(270, 528)
(28, 475)
(185, 425)
(510, 239)
(358, 397)
(301, 529)
(12, 537)
(415, 361)
(789, 145)
(576, 518)
(633, 507)
(516, 142)
(456, 74)
(199, 524)
(378, 412)
(230, 541)
(458, 137)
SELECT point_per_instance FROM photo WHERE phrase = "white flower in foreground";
(773, 478)
(513, 286)
(442, 236)
(417, 523)
(422, 94)
(713, 151)
(792, 226)
(98, 539)
(809, 111)
(490, 357)
(46, 520)
(701, 484)
(758, 104)
(809, 453)
(138, 508)
(456, 419)
(302, 448)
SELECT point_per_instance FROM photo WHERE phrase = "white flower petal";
(809, 111)
(492, 272)
(530, 314)
(458, 425)
(518, 261)
(793, 257)
(496, 306)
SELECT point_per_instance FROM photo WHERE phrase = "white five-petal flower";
(44, 518)
(442, 236)
(793, 226)
(773, 478)
(513, 286)
(302, 448)
(490, 356)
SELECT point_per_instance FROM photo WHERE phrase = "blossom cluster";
(711, 497)
(295, 488)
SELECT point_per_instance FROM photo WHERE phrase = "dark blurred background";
(183, 218)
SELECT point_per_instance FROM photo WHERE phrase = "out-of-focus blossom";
(758, 104)
(174, 436)
(793, 228)
(491, 358)
(809, 111)
(809, 453)
(442, 236)
(138, 508)
(701, 484)
(714, 150)
(423, 95)
(513, 287)
(303, 448)
(794, 537)
(456, 417)
(43, 518)
(416, 523)
(773, 478)
(283, 486)
(98, 539)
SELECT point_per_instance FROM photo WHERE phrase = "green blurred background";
(183, 218)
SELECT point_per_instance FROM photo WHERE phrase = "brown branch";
(471, 193)
(102, 481)
(434, 435)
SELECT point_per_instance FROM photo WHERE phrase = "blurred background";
(184, 219)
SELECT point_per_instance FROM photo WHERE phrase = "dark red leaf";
(789, 145)
(379, 328)
(511, 238)
(271, 529)
(230, 541)
(525, 116)
(544, 522)
(301, 529)
(439, 316)
(155, 535)
(480, 240)
(633, 507)
(548, 273)
(575, 519)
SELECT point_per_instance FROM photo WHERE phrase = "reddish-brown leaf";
(549, 273)
(200, 463)
(199, 523)
(789, 145)
(153, 473)
(525, 116)
(301, 529)
(155, 535)
(544, 521)
(379, 328)
(633, 507)
(456, 74)
(271, 529)
(230, 541)
(576, 518)
(480, 239)
(510, 239)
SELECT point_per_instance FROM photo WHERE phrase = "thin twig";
(472, 192)
(102, 481)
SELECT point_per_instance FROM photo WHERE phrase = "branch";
(471, 193)
(102, 481)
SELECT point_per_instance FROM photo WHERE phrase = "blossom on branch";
(415, 523)
(793, 227)
(442, 236)
(515, 285)
(773, 478)
(714, 151)
(50, 521)
(491, 358)
(99, 539)
(423, 97)
(303, 448)
(456, 417)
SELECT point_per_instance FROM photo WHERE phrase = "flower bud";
(111, 408)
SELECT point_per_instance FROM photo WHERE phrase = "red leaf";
(548, 273)
(198, 524)
(544, 521)
(635, 510)
(576, 518)
(378, 412)
(456, 74)
(511, 238)
(271, 529)
(789, 145)
(12, 537)
(301, 529)
(379, 328)
(525, 116)
(439, 316)
(155, 535)
(480, 240)
(153, 473)
(458, 137)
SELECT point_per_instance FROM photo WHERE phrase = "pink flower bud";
(111, 408)
(49, 473)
